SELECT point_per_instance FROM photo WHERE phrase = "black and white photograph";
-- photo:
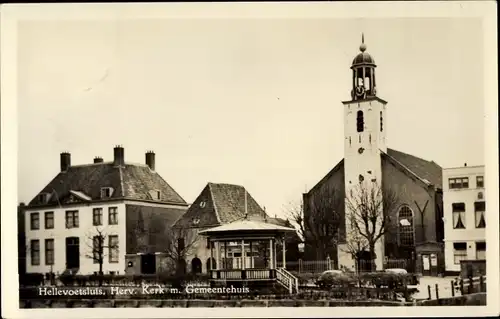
(197, 159)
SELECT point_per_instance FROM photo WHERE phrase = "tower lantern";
(363, 74)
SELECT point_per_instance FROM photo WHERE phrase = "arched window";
(406, 230)
(360, 122)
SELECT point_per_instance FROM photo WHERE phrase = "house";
(111, 198)
(416, 223)
(217, 204)
(464, 216)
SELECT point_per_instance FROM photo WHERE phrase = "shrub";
(386, 279)
(330, 279)
(31, 279)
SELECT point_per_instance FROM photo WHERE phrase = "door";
(148, 263)
(73, 253)
(426, 265)
(434, 265)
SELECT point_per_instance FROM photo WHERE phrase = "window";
(49, 220)
(460, 182)
(106, 192)
(97, 248)
(180, 244)
(458, 210)
(158, 195)
(405, 226)
(479, 181)
(113, 216)
(381, 122)
(459, 252)
(360, 122)
(42, 198)
(479, 209)
(481, 250)
(72, 219)
(35, 252)
(97, 216)
(49, 251)
(203, 204)
(113, 248)
(35, 221)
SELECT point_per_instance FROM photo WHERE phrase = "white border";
(10, 14)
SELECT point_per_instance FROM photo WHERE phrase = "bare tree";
(318, 219)
(180, 242)
(355, 244)
(96, 241)
(368, 212)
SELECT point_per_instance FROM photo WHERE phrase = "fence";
(308, 266)
(458, 287)
(319, 266)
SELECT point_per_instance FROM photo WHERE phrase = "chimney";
(150, 160)
(119, 156)
(98, 159)
(65, 161)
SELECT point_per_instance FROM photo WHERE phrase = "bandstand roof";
(253, 226)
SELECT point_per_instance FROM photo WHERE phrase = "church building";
(416, 232)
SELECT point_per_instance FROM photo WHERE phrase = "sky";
(253, 102)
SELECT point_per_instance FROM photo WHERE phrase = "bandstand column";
(284, 253)
(271, 254)
(217, 255)
(242, 254)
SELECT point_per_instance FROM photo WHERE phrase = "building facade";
(220, 204)
(464, 215)
(415, 227)
(98, 207)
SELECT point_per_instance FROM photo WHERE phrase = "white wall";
(367, 163)
(85, 232)
(470, 234)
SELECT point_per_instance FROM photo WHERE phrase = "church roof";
(220, 203)
(129, 181)
(426, 171)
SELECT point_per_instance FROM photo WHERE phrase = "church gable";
(332, 182)
(411, 193)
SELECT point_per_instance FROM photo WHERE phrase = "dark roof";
(130, 181)
(363, 58)
(220, 204)
(425, 170)
(420, 168)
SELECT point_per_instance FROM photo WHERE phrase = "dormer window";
(155, 194)
(43, 198)
(106, 192)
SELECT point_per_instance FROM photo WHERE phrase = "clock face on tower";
(361, 150)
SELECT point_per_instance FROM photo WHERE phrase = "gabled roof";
(425, 170)
(130, 181)
(428, 172)
(220, 204)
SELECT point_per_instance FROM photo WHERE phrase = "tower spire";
(362, 47)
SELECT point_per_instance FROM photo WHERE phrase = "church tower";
(364, 139)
